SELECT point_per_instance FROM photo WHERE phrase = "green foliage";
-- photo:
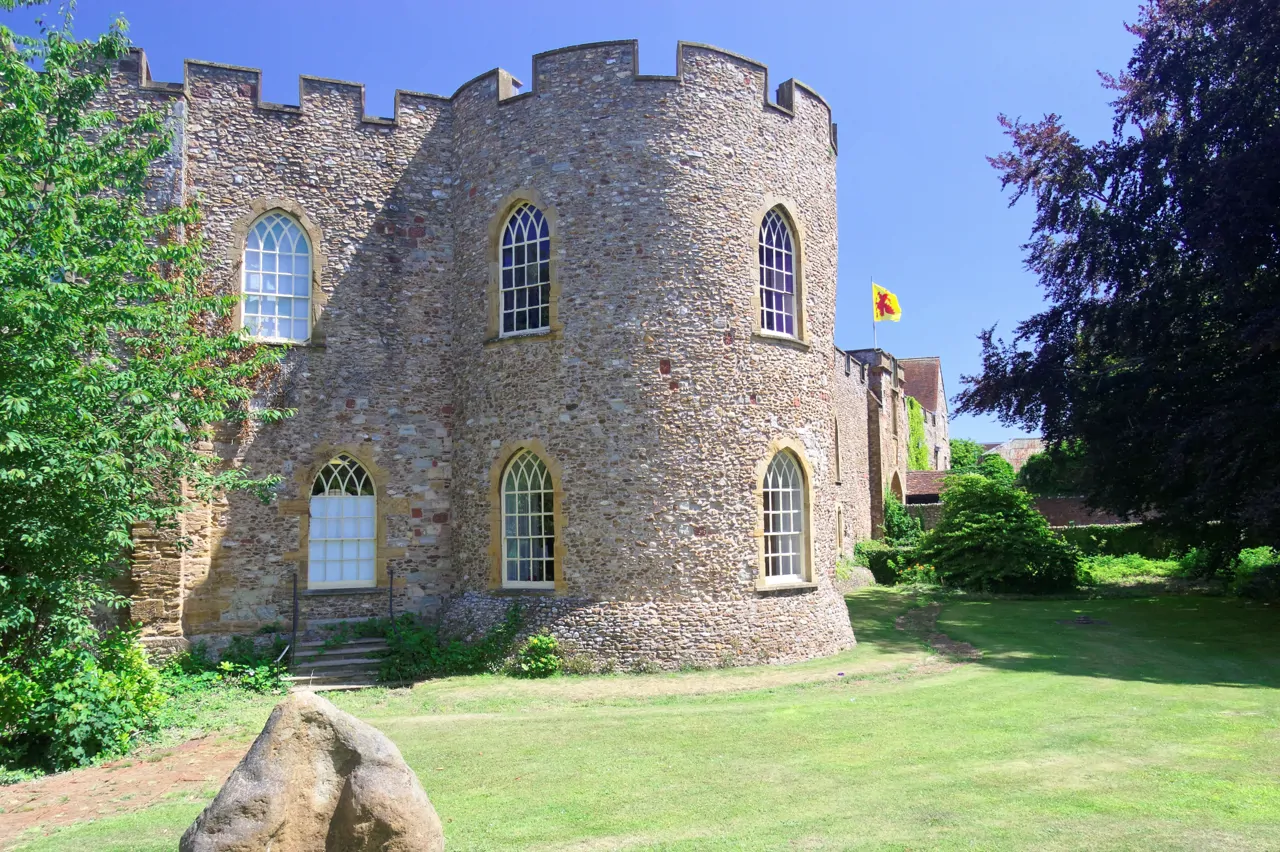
(965, 455)
(242, 665)
(1257, 574)
(911, 572)
(1059, 472)
(969, 457)
(1160, 263)
(538, 657)
(1121, 539)
(77, 703)
(917, 447)
(885, 561)
(113, 356)
(990, 538)
(1103, 569)
(900, 527)
(997, 469)
(417, 650)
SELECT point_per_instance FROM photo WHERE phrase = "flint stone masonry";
(655, 395)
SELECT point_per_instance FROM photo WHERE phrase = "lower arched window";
(784, 520)
(342, 544)
(528, 523)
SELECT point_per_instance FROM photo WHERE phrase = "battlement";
(597, 63)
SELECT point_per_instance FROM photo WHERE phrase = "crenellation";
(568, 70)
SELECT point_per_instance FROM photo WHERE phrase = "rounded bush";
(991, 538)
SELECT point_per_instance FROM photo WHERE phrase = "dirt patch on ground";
(129, 784)
(922, 621)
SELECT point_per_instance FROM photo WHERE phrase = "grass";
(1154, 731)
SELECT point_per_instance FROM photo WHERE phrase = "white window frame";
(256, 278)
(517, 230)
(784, 496)
(531, 522)
(777, 251)
(346, 494)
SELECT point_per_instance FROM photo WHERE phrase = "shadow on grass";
(1185, 639)
(872, 612)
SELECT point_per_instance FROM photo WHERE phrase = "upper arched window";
(784, 519)
(777, 275)
(528, 523)
(277, 280)
(526, 272)
(343, 538)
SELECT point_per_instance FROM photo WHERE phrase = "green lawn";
(1157, 730)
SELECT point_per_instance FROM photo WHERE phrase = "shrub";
(883, 560)
(911, 571)
(1121, 539)
(539, 657)
(417, 650)
(1102, 569)
(900, 527)
(76, 703)
(243, 665)
(991, 538)
(1257, 573)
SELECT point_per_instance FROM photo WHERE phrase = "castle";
(571, 347)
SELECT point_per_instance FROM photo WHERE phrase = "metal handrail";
(293, 644)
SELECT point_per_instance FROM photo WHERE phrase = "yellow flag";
(884, 305)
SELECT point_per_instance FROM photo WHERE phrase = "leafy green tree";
(969, 457)
(991, 538)
(965, 455)
(1057, 472)
(917, 447)
(113, 354)
(1159, 253)
(997, 468)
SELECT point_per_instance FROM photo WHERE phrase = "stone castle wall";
(655, 397)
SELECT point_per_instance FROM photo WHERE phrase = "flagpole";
(875, 343)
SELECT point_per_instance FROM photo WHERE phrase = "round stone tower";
(654, 396)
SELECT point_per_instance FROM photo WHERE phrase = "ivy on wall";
(917, 449)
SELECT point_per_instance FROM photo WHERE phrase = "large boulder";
(317, 778)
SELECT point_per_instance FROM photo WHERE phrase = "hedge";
(1120, 539)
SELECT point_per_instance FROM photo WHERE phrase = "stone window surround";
(300, 508)
(835, 422)
(496, 472)
(258, 208)
(796, 449)
(839, 530)
(493, 329)
(787, 208)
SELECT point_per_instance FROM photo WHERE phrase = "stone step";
(313, 644)
(340, 653)
(327, 662)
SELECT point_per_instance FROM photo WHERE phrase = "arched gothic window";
(777, 275)
(277, 280)
(528, 523)
(784, 520)
(343, 539)
(526, 272)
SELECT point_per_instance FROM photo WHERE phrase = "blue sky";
(915, 86)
